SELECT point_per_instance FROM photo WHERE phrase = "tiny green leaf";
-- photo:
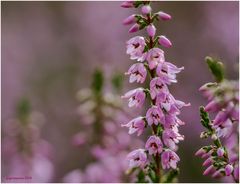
(171, 175)
(98, 80)
(152, 175)
(159, 130)
(141, 177)
(117, 81)
(217, 143)
(205, 121)
(207, 148)
(23, 109)
(216, 68)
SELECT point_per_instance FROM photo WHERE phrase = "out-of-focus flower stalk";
(106, 142)
(223, 156)
(27, 154)
(159, 154)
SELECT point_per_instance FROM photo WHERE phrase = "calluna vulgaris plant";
(28, 156)
(222, 157)
(157, 162)
(106, 143)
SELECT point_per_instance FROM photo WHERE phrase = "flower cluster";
(223, 100)
(106, 142)
(25, 152)
(161, 116)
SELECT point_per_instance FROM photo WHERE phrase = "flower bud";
(164, 41)
(212, 106)
(209, 170)
(200, 152)
(151, 30)
(164, 16)
(207, 155)
(146, 9)
(220, 152)
(127, 4)
(220, 118)
(134, 28)
(228, 169)
(208, 162)
(218, 173)
(129, 20)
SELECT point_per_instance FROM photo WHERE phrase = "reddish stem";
(154, 127)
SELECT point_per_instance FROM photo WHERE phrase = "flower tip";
(201, 88)
(188, 104)
(200, 152)
(146, 9)
(217, 174)
(228, 169)
(207, 162)
(129, 20)
(182, 68)
(164, 16)
(164, 41)
(209, 170)
(151, 30)
(134, 28)
(127, 4)
(220, 152)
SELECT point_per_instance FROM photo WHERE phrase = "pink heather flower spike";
(128, 4)
(223, 100)
(137, 158)
(151, 30)
(154, 145)
(136, 125)
(162, 115)
(164, 41)
(164, 16)
(136, 97)
(137, 73)
(146, 9)
(135, 47)
(134, 28)
(169, 159)
(129, 20)
(154, 57)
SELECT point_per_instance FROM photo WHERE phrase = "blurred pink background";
(50, 50)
